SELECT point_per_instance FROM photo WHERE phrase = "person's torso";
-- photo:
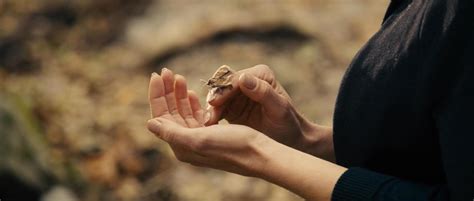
(384, 112)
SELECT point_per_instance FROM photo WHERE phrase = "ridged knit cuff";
(357, 184)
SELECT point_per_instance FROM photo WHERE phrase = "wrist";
(264, 147)
(305, 175)
(316, 140)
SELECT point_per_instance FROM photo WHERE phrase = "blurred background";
(74, 77)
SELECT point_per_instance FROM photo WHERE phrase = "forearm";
(308, 176)
(317, 140)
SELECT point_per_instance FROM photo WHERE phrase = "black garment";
(405, 107)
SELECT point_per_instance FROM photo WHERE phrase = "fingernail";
(207, 116)
(154, 74)
(163, 70)
(249, 82)
(154, 126)
(210, 96)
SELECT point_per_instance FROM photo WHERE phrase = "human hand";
(178, 120)
(232, 148)
(257, 100)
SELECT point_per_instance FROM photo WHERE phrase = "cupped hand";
(178, 119)
(257, 100)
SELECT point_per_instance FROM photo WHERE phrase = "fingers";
(168, 95)
(262, 92)
(223, 147)
(215, 115)
(198, 112)
(156, 96)
(218, 104)
(190, 139)
(261, 71)
(188, 145)
(179, 138)
(183, 103)
(168, 81)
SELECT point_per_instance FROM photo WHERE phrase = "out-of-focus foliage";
(74, 73)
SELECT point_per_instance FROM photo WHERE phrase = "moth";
(220, 81)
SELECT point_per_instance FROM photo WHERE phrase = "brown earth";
(73, 83)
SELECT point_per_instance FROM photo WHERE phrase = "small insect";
(221, 80)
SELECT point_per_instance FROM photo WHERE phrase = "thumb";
(214, 114)
(169, 131)
(261, 92)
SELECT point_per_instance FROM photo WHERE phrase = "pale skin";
(266, 138)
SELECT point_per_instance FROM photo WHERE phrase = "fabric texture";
(404, 110)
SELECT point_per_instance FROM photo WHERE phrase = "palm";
(177, 109)
(170, 99)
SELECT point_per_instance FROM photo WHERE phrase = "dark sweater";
(404, 121)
